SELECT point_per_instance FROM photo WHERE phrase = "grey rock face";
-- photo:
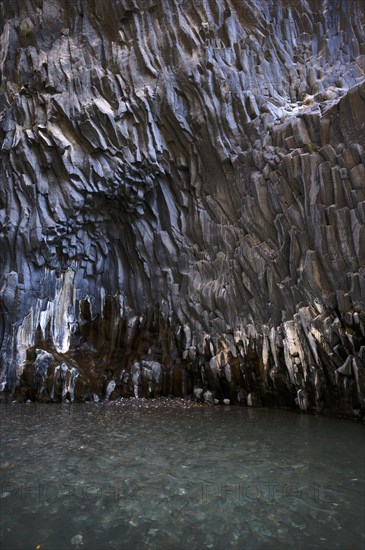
(182, 200)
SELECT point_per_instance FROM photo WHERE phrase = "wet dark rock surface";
(182, 201)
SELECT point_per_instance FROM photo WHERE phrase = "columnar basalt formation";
(183, 200)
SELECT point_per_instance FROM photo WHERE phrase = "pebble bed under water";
(173, 475)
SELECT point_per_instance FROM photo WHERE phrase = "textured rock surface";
(183, 200)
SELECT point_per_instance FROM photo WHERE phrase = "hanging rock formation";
(182, 201)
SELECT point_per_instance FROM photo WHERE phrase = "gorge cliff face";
(182, 201)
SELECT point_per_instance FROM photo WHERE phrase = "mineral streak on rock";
(182, 201)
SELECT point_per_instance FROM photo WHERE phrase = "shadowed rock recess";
(183, 201)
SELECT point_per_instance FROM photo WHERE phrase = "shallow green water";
(219, 478)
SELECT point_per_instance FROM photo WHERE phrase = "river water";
(141, 476)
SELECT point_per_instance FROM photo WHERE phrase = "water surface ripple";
(99, 476)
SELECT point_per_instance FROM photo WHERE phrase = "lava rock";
(191, 217)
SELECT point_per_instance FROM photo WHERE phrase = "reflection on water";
(103, 476)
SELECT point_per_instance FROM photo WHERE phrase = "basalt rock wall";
(182, 200)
